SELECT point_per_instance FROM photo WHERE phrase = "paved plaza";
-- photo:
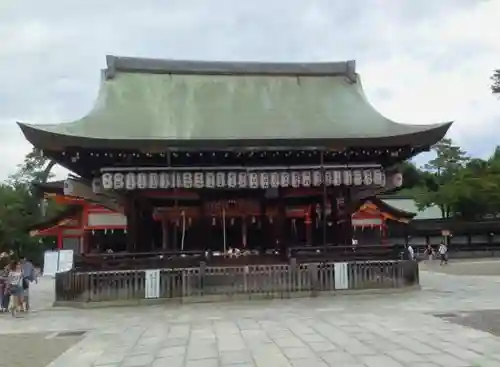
(451, 322)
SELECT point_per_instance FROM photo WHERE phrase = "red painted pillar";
(308, 224)
(59, 240)
(383, 229)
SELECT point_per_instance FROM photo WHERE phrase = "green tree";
(412, 175)
(20, 207)
(441, 186)
(35, 168)
(495, 82)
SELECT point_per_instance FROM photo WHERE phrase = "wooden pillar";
(86, 241)
(175, 244)
(349, 231)
(324, 198)
(280, 225)
(203, 226)
(308, 226)
(131, 214)
(140, 223)
(144, 238)
(263, 237)
(59, 239)
(244, 231)
(164, 233)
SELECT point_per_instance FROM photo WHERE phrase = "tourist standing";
(15, 287)
(3, 290)
(5, 296)
(429, 251)
(443, 253)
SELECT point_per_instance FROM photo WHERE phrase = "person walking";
(411, 252)
(443, 254)
(29, 275)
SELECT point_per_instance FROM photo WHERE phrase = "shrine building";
(211, 155)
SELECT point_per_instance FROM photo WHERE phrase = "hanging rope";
(183, 237)
(224, 227)
(294, 230)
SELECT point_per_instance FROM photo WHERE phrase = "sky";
(421, 62)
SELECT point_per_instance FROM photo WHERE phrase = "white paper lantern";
(96, 186)
(306, 178)
(347, 178)
(153, 180)
(199, 180)
(178, 180)
(264, 180)
(187, 180)
(397, 180)
(284, 179)
(232, 180)
(275, 180)
(165, 180)
(329, 178)
(295, 179)
(357, 177)
(107, 181)
(220, 180)
(210, 180)
(142, 181)
(337, 178)
(378, 177)
(242, 180)
(317, 178)
(130, 181)
(368, 177)
(118, 181)
(253, 180)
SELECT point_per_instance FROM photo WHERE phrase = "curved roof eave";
(47, 137)
(111, 126)
(385, 206)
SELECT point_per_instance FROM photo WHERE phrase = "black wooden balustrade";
(207, 282)
(187, 259)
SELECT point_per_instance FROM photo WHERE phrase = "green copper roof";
(409, 205)
(162, 104)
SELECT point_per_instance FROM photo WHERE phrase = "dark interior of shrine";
(244, 219)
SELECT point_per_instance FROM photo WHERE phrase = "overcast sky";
(422, 61)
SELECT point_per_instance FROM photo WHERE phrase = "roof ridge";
(199, 67)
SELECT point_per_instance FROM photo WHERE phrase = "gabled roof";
(69, 212)
(395, 211)
(409, 205)
(53, 187)
(156, 105)
(374, 205)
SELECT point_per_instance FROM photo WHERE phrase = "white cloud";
(421, 61)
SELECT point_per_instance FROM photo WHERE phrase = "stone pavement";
(437, 326)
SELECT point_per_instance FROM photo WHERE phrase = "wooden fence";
(245, 282)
